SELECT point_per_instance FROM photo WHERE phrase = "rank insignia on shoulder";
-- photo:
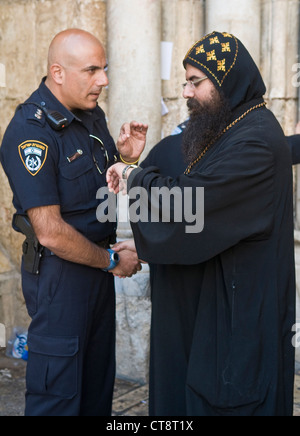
(33, 155)
(39, 114)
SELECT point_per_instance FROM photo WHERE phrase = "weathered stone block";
(133, 327)
(12, 308)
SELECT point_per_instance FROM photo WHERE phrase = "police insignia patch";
(33, 155)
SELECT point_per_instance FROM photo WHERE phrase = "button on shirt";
(47, 167)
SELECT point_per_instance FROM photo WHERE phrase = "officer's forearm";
(74, 247)
(63, 240)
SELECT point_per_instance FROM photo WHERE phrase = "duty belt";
(33, 251)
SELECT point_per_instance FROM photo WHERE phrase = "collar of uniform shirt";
(54, 104)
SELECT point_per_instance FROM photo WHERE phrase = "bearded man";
(223, 299)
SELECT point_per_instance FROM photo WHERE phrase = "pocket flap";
(58, 346)
(77, 168)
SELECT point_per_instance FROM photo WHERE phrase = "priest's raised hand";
(132, 141)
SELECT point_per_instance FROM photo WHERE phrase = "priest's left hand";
(114, 177)
(132, 141)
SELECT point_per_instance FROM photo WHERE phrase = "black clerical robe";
(294, 144)
(224, 299)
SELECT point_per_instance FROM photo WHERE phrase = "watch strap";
(124, 172)
(114, 260)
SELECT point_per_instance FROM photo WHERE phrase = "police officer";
(55, 153)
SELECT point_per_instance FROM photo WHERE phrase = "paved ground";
(130, 399)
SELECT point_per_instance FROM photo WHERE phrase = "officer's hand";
(132, 141)
(129, 264)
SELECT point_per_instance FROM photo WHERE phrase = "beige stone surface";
(134, 58)
(182, 24)
(2, 76)
(297, 395)
(133, 326)
(279, 52)
(236, 16)
(5, 265)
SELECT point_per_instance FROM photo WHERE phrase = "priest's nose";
(188, 92)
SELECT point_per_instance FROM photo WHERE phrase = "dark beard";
(207, 121)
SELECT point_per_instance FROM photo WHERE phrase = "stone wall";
(132, 31)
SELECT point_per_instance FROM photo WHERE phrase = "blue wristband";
(114, 261)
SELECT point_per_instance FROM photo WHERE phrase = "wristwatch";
(124, 173)
(114, 261)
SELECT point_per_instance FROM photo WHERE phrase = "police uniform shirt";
(48, 167)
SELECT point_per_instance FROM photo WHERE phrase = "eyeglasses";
(105, 154)
(193, 83)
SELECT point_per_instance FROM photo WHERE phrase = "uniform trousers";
(71, 340)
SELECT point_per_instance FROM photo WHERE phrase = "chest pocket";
(76, 182)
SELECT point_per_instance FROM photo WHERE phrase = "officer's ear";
(57, 73)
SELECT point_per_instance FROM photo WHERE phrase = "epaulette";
(179, 129)
(32, 113)
(55, 119)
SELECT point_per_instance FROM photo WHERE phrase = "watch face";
(116, 257)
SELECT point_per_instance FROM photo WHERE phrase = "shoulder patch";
(33, 155)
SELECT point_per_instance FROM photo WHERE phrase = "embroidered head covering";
(228, 64)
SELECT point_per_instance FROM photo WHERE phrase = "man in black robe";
(223, 299)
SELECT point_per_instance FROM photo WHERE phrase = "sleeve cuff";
(132, 177)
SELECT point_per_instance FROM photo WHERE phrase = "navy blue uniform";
(71, 367)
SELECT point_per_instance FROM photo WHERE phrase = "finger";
(108, 175)
(124, 137)
(113, 187)
(139, 127)
(125, 129)
(119, 246)
(142, 127)
(115, 191)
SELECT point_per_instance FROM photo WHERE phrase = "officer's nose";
(102, 79)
